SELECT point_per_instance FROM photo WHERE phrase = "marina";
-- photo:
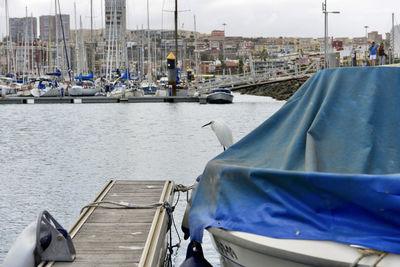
(242, 138)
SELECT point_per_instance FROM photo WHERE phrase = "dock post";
(171, 62)
(3, 93)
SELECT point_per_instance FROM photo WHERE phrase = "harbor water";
(59, 156)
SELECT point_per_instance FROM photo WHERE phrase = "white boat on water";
(86, 88)
(220, 96)
(48, 88)
(79, 90)
(149, 88)
(317, 184)
(245, 249)
(9, 87)
(121, 90)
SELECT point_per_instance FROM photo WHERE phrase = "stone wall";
(280, 90)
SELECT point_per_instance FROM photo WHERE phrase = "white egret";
(222, 131)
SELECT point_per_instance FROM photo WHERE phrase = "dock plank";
(118, 237)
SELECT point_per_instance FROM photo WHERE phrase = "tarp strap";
(366, 252)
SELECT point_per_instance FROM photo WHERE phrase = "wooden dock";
(123, 236)
(98, 100)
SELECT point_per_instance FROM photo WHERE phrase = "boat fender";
(42, 240)
(22, 252)
(194, 256)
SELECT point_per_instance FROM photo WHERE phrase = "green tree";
(241, 65)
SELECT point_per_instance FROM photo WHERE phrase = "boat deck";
(122, 236)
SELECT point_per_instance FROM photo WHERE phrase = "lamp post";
(223, 46)
(326, 30)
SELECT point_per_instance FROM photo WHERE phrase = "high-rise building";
(47, 27)
(23, 28)
(115, 18)
(396, 39)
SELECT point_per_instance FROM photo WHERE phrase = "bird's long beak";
(206, 124)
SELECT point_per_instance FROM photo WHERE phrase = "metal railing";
(253, 78)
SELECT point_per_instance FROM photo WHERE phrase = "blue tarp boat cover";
(324, 167)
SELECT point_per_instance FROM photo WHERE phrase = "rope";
(183, 188)
(170, 247)
(120, 205)
(366, 252)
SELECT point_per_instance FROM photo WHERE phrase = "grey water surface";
(59, 156)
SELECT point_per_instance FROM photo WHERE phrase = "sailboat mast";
(50, 53)
(91, 20)
(8, 38)
(25, 43)
(56, 27)
(148, 45)
(142, 52)
(176, 31)
(196, 55)
(81, 47)
(65, 44)
(32, 65)
(76, 40)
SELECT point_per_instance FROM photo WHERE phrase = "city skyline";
(254, 18)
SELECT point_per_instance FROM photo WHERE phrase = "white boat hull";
(244, 249)
(220, 98)
(126, 93)
(55, 92)
(80, 91)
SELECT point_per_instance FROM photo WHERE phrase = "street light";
(326, 30)
(223, 46)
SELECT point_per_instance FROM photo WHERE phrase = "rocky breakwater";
(280, 90)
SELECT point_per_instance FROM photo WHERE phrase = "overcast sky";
(249, 18)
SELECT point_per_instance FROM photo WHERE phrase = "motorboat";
(316, 184)
(244, 249)
(220, 96)
(149, 88)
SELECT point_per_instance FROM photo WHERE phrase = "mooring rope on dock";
(120, 205)
(184, 188)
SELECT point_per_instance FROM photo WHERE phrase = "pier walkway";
(121, 236)
(97, 99)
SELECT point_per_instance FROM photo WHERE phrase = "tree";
(240, 65)
(204, 57)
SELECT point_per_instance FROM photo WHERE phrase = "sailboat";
(148, 86)
(49, 85)
(85, 86)
(123, 87)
